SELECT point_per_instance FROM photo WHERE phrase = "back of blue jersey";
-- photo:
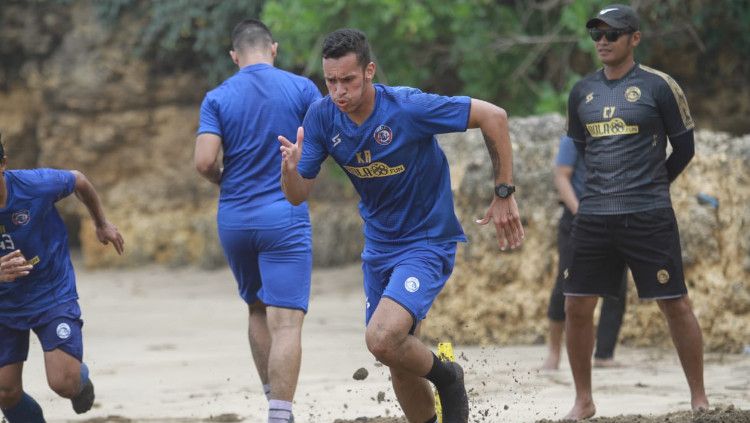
(249, 111)
(394, 162)
(30, 223)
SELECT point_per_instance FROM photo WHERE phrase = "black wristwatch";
(504, 190)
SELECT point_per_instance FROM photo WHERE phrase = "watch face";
(503, 190)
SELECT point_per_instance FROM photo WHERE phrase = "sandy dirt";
(169, 345)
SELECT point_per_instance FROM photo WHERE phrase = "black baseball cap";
(618, 16)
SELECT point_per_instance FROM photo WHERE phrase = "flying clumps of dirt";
(727, 414)
(360, 374)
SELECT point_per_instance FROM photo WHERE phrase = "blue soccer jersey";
(249, 111)
(30, 223)
(394, 162)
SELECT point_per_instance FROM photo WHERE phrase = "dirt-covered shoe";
(453, 398)
(85, 399)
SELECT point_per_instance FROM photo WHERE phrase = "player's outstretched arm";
(207, 148)
(14, 265)
(105, 231)
(503, 212)
(295, 187)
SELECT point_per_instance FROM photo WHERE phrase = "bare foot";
(551, 363)
(581, 411)
(606, 363)
(700, 404)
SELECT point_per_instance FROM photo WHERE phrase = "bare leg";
(554, 343)
(610, 323)
(63, 373)
(11, 386)
(260, 338)
(579, 326)
(285, 326)
(388, 339)
(413, 393)
(688, 340)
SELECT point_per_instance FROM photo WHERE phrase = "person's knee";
(577, 309)
(65, 382)
(382, 342)
(10, 395)
(284, 321)
(257, 309)
(675, 307)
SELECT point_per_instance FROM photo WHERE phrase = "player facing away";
(621, 118)
(38, 286)
(266, 240)
(384, 139)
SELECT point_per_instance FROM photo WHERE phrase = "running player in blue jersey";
(620, 118)
(384, 139)
(38, 291)
(266, 240)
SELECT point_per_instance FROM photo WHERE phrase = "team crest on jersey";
(383, 135)
(20, 217)
(632, 94)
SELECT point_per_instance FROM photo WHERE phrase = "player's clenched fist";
(13, 265)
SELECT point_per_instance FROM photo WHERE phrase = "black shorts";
(556, 307)
(648, 242)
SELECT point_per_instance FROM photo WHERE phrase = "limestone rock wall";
(74, 96)
(501, 297)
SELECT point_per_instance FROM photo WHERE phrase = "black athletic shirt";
(624, 125)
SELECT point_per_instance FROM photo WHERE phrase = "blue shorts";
(57, 328)
(412, 276)
(271, 265)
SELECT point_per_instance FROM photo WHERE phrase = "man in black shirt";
(620, 118)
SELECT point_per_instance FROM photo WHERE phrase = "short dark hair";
(251, 33)
(341, 42)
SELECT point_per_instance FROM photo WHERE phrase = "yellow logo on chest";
(374, 170)
(611, 127)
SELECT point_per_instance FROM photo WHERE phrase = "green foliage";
(515, 53)
(523, 55)
(184, 34)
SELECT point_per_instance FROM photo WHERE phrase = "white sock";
(279, 411)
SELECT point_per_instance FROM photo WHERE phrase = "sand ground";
(169, 345)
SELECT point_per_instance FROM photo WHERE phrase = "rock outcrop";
(501, 297)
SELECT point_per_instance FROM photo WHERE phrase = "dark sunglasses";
(611, 34)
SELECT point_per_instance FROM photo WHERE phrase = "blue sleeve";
(209, 118)
(313, 151)
(55, 184)
(567, 155)
(435, 114)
